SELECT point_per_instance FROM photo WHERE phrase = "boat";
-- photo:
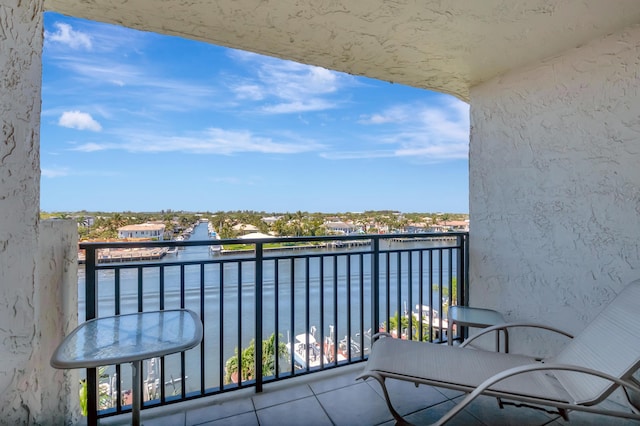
(215, 249)
(150, 385)
(305, 347)
(431, 317)
(357, 351)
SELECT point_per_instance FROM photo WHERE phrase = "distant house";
(255, 235)
(244, 228)
(438, 228)
(459, 225)
(142, 230)
(339, 227)
(86, 221)
(270, 220)
(415, 228)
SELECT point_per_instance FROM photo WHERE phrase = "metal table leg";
(136, 366)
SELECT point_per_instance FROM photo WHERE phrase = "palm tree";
(280, 227)
(248, 360)
(444, 218)
(445, 293)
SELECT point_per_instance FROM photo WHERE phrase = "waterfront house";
(245, 228)
(85, 221)
(153, 231)
(339, 228)
(458, 225)
(270, 220)
(413, 228)
(553, 183)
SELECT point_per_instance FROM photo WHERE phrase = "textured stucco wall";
(55, 399)
(20, 80)
(555, 184)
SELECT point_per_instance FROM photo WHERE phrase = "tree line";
(104, 225)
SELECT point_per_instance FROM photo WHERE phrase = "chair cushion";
(610, 344)
(459, 368)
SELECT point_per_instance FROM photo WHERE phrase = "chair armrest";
(508, 325)
(625, 384)
(379, 335)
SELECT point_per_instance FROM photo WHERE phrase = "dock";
(126, 255)
(410, 240)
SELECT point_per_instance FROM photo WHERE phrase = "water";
(338, 282)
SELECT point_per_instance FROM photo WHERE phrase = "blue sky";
(136, 121)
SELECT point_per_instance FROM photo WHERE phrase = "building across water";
(143, 230)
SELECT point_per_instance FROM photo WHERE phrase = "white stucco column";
(29, 389)
(55, 397)
(555, 185)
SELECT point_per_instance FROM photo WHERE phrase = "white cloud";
(249, 91)
(211, 141)
(79, 120)
(290, 80)
(54, 173)
(298, 106)
(358, 155)
(91, 147)
(395, 114)
(95, 37)
(66, 35)
(435, 132)
(451, 151)
(140, 82)
(287, 87)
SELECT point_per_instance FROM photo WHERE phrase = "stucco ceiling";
(447, 45)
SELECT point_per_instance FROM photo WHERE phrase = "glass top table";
(466, 316)
(129, 338)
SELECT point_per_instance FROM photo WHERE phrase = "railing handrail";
(258, 257)
(210, 242)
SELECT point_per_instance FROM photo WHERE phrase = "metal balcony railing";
(280, 308)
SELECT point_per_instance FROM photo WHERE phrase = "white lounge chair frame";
(581, 376)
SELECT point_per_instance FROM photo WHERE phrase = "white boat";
(431, 317)
(216, 249)
(356, 349)
(150, 385)
(305, 347)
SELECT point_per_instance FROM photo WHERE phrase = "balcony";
(336, 398)
(317, 299)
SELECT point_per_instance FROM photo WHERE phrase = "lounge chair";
(588, 369)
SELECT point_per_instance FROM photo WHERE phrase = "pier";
(408, 240)
(330, 245)
(126, 255)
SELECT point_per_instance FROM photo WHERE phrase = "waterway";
(333, 286)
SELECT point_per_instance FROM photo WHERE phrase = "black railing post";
(91, 303)
(463, 257)
(90, 283)
(375, 285)
(258, 317)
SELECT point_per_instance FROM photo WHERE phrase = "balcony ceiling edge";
(444, 46)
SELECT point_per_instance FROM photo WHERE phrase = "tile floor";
(335, 398)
